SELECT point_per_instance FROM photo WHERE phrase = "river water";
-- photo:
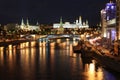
(53, 61)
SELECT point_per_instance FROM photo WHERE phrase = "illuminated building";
(28, 27)
(118, 19)
(103, 22)
(77, 24)
(108, 16)
(112, 19)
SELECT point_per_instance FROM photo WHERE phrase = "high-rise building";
(118, 19)
(111, 16)
(108, 16)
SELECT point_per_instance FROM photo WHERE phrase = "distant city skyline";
(50, 11)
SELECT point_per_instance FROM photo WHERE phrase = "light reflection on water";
(56, 61)
(90, 71)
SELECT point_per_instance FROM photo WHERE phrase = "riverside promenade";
(103, 51)
(104, 57)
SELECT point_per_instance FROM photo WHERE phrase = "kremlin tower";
(28, 27)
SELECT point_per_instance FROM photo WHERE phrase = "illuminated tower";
(61, 29)
(27, 25)
(80, 22)
(22, 24)
(86, 22)
(37, 23)
(76, 22)
(27, 22)
(61, 23)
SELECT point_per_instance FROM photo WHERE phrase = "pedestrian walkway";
(103, 51)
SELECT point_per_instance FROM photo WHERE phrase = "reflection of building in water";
(78, 24)
(27, 26)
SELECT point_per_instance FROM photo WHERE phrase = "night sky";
(49, 11)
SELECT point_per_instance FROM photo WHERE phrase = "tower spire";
(80, 20)
(37, 23)
(61, 23)
(86, 22)
(27, 22)
(22, 22)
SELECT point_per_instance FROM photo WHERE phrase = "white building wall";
(57, 25)
(77, 24)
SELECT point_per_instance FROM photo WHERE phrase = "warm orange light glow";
(67, 47)
(40, 43)
(92, 73)
(52, 44)
(27, 44)
(67, 39)
(100, 75)
(33, 36)
(63, 44)
(82, 36)
(10, 46)
(22, 45)
(33, 50)
(91, 68)
(10, 51)
(11, 58)
(32, 56)
(44, 50)
(73, 39)
(44, 43)
(1, 49)
(1, 55)
(71, 50)
(75, 43)
(58, 40)
(67, 42)
(74, 55)
(40, 50)
(33, 43)
(25, 61)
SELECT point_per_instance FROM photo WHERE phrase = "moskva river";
(49, 61)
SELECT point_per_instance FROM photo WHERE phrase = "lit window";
(107, 7)
(112, 7)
